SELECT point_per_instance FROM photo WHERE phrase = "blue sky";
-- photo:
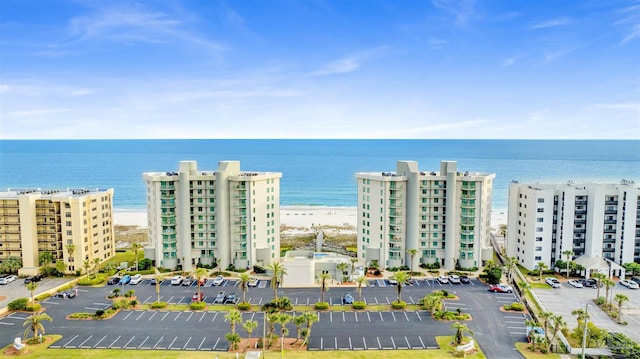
(320, 69)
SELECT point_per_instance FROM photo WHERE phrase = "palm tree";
(109, 267)
(310, 318)
(244, 281)
(322, 277)
(233, 339)
(135, 246)
(512, 262)
(342, 267)
(558, 324)
(96, 264)
(458, 332)
(541, 267)
(412, 253)
(298, 320)
(530, 323)
(44, 258)
(362, 282)
(12, 264)
(234, 317)
(581, 314)
(158, 281)
(283, 319)
(608, 284)
(402, 278)
(353, 264)
(569, 254)
(199, 273)
(620, 298)
(432, 303)
(278, 270)
(86, 264)
(544, 317)
(34, 323)
(599, 277)
(31, 287)
(249, 326)
(489, 264)
(525, 289)
(71, 248)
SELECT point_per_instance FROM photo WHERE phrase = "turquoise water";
(315, 172)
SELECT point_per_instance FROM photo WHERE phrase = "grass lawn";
(522, 348)
(40, 352)
(127, 256)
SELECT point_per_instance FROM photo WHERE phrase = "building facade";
(74, 225)
(596, 220)
(224, 217)
(409, 216)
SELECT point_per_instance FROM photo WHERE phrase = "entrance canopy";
(601, 265)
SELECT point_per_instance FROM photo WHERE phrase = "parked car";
(136, 279)
(231, 298)
(202, 281)
(218, 280)
(348, 298)
(253, 282)
(153, 280)
(8, 279)
(501, 288)
(442, 279)
(591, 283)
(197, 298)
(176, 280)
(575, 283)
(393, 282)
(554, 283)
(636, 279)
(66, 294)
(629, 284)
(220, 297)
(464, 279)
(35, 278)
(187, 280)
(454, 279)
(125, 280)
(113, 280)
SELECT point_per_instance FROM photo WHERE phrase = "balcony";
(469, 185)
(468, 221)
(242, 213)
(240, 204)
(467, 203)
(168, 204)
(395, 213)
(395, 204)
(468, 195)
(395, 239)
(611, 202)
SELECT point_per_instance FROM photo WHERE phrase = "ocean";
(314, 172)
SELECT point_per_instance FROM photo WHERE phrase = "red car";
(202, 281)
(195, 297)
(501, 288)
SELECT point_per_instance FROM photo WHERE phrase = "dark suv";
(591, 283)
(231, 298)
(35, 278)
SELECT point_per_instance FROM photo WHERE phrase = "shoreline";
(297, 216)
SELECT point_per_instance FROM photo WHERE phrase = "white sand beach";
(295, 216)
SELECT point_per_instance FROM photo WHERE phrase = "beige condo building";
(224, 217)
(75, 225)
(442, 217)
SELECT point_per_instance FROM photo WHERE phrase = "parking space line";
(181, 299)
(185, 344)
(418, 314)
(365, 343)
(141, 344)
(381, 319)
(394, 316)
(307, 300)
(393, 342)
(350, 346)
(158, 342)
(379, 345)
(170, 345)
(170, 299)
(202, 342)
(7, 323)
(421, 342)
(81, 344)
(335, 341)
(127, 316)
(214, 316)
(406, 316)
(190, 316)
(412, 302)
(216, 344)
(99, 341)
(387, 300)
(202, 317)
(128, 342)
(408, 345)
(369, 316)
(176, 318)
(343, 319)
(356, 315)
(118, 338)
(331, 317)
(141, 314)
(146, 300)
(152, 315)
(321, 344)
(165, 316)
(72, 339)
(376, 298)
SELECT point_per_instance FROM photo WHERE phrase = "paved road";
(495, 331)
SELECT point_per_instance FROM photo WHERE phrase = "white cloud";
(341, 66)
(635, 107)
(462, 10)
(562, 21)
(509, 61)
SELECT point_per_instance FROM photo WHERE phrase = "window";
(538, 249)
(539, 220)
(538, 258)
(538, 239)
(538, 229)
(540, 200)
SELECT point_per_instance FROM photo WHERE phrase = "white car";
(218, 280)
(554, 283)
(136, 279)
(629, 284)
(8, 279)
(443, 280)
(454, 279)
(574, 283)
(176, 280)
(253, 282)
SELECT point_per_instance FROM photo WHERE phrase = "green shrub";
(600, 301)
(133, 303)
(99, 279)
(244, 306)
(158, 305)
(66, 287)
(43, 296)
(517, 306)
(19, 304)
(398, 305)
(33, 307)
(359, 305)
(321, 306)
(81, 315)
(198, 305)
(99, 313)
(130, 293)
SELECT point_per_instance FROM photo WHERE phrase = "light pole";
(584, 335)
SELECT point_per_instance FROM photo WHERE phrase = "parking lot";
(495, 331)
(565, 299)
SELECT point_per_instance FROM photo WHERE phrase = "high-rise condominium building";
(597, 220)
(224, 217)
(427, 217)
(74, 225)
